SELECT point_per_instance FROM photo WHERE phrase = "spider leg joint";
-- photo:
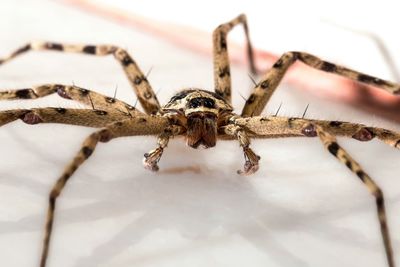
(31, 118)
(309, 130)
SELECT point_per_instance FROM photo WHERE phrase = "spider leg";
(361, 132)
(82, 95)
(275, 127)
(138, 80)
(81, 117)
(272, 127)
(269, 82)
(222, 78)
(141, 125)
(330, 143)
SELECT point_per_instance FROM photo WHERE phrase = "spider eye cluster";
(201, 102)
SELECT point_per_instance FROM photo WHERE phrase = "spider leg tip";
(251, 164)
(151, 159)
(249, 168)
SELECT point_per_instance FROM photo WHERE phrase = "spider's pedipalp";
(152, 158)
(138, 80)
(251, 159)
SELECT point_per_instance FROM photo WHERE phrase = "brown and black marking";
(201, 116)
(89, 49)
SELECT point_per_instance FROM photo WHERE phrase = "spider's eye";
(195, 103)
(209, 103)
(201, 101)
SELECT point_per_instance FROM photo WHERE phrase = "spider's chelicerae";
(201, 116)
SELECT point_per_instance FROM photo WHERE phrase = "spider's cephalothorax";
(200, 112)
(202, 117)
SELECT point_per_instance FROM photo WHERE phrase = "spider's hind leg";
(332, 146)
(222, 78)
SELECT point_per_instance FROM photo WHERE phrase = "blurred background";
(302, 208)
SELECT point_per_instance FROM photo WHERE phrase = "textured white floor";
(302, 208)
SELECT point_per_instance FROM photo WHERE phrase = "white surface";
(303, 208)
(286, 25)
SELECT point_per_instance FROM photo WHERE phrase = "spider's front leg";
(251, 158)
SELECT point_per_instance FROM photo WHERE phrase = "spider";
(202, 117)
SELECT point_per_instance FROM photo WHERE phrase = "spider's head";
(201, 117)
(202, 111)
